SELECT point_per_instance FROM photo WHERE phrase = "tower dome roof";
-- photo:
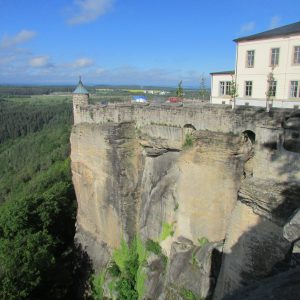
(80, 89)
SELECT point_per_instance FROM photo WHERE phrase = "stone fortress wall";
(206, 117)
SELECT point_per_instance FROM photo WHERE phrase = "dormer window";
(250, 59)
(296, 60)
(274, 57)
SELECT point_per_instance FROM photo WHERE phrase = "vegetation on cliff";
(37, 213)
(126, 275)
(188, 141)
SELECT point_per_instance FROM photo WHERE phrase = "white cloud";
(89, 10)
(274, 22)
(27, 68)
(41, 61)
(247, 27)
(82, 62)
(19, 38)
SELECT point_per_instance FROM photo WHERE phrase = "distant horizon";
(96, 85)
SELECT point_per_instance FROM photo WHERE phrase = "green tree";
(233, 91)
(203, 88)
(34, 243)
(270, 90)
(179, 91)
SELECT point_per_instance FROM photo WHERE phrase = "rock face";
(123, 186)
(193, 268)
(282, 286)
(240, 189)
(255, 246)
(177, 190)
(105, 166)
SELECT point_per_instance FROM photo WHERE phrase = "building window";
(250, 59)
(295, 89)
(228, 87)
(297, 55)
(248, 89)
(272, 88)
(274, 57)
(225, 87)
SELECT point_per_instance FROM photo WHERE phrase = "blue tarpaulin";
(139, 99)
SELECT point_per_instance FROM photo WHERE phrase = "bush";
(114, 270)
(127, 268)
(121, 255)
(189, 141)
(153, 247)
(97, 286)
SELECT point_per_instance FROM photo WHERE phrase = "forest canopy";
(38, 205)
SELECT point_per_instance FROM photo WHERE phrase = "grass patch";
(189, 295)
(203, 241)
(167, 230)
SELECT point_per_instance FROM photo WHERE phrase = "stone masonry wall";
(206, 117)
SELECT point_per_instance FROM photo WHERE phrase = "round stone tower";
(80, 98)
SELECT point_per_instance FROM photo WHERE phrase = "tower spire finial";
(80, 89)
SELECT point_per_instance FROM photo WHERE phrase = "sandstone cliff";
(236, 190)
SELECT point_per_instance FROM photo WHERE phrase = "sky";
(136, 42)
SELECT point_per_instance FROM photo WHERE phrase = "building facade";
(267, 70)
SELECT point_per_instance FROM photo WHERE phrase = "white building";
(275, 51)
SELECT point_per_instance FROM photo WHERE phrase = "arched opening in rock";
(248, 134)
(189, 126)
(188, 129)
